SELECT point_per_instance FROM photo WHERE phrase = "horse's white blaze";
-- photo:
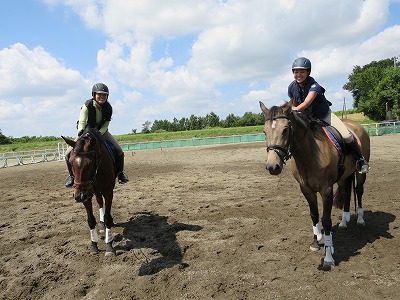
(273, 124)
(93, 235)
(79, 161)
(109, 236)
(317, 231)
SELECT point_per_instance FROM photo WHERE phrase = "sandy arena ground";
(197, 223)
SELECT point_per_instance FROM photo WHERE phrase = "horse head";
(278, 132)
(84, 159)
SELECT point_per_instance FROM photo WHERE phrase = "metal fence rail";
(20, 158)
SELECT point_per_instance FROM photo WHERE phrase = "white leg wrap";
(346, 216)
(329, 242)
(109, 236)
(101, 213)
(345, 219)
(317, 231)
(360, 216)
(328, 259)
(93, 235)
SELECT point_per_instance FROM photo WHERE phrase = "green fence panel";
(248, 138)
(220, 140)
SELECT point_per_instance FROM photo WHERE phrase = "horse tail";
(354, 192)
(338, 198)
(343, 192)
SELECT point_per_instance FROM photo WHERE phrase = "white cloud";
(241, 53)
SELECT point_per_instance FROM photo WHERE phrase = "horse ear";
(263, 108)
(93, 141)
(69, 141)
(287, 107)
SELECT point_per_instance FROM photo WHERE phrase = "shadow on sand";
(148, 230)
(348, 242)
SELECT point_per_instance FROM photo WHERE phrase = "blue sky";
(177, 58)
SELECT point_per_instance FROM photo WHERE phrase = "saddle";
(336, 140)
(111, 149)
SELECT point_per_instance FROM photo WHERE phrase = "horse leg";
(100, 202)
(359, 193)
(344, 188)
(327, 201)
(108, 221)
(311, 198)
(92, 225)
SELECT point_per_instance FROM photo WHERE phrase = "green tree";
(146, 127)
(375, 87)
(3, 139)
(230, 121)
(212, 120)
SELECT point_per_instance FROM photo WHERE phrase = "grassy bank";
(142, 137)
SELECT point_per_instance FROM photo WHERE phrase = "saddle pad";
(333, 140)
(110, 148)
(338, 144)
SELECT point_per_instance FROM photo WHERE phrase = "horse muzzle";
(82, 196)
(274, 169)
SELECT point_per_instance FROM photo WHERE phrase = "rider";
(305, 92)
(97, 113)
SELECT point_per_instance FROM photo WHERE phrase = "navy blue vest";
(320, 105)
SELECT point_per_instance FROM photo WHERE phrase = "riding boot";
(122, 178)
(362, 164)
(70, 180)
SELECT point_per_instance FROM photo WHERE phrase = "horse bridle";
(88, 185)
(283, 152)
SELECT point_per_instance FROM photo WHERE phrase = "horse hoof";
(328, 266)
(361, 224)
(314, 246)
(343, 225)
(94, 249)
(110, 250)
(102, 227)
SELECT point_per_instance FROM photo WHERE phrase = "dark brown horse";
(94, 172)
(315, 167)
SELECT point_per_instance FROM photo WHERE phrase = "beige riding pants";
(334, 121)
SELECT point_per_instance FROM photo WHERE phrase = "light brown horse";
(94, 174)
(315, 167)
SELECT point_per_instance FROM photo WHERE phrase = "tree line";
(209, 121)
(6, 140)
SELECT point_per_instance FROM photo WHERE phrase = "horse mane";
(87, 133)
(273, 112)
(306, 121)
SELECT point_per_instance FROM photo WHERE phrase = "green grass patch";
(142, 137)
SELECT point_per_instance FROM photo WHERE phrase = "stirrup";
(70, 182)
(122, 178)
(362, 166)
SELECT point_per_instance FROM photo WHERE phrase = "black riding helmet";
(301, 63)
(99, 88)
